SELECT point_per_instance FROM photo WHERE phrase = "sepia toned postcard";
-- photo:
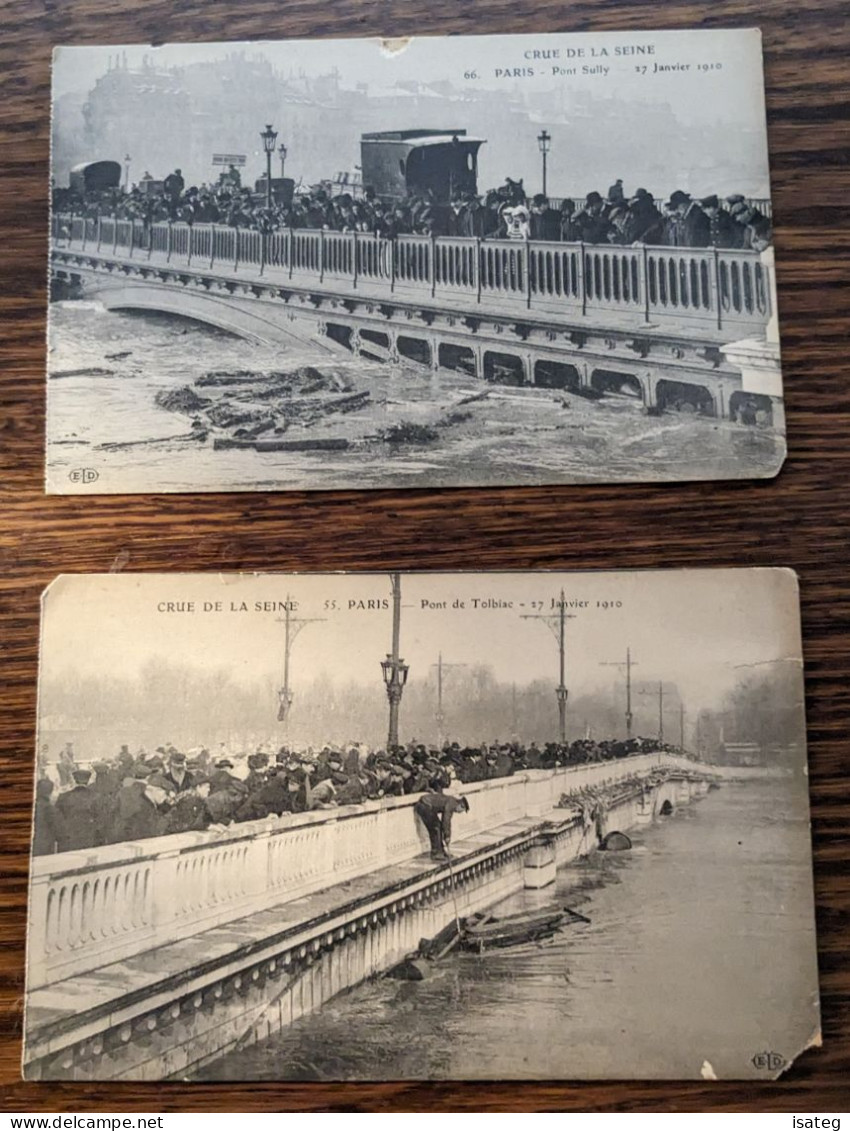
(471, 261)
(421, 827)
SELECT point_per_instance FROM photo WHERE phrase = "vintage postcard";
(421, 827)
(488, 260)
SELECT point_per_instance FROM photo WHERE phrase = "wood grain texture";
(798, 520)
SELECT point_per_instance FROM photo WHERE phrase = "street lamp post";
(544, 141)
(127, 160)
(394, 669)
(281, 150)
(269, 137)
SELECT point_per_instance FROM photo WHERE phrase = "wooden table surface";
(798, 520)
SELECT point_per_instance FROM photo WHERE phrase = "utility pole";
(439, 714)
(681, 725)
(660, 694)
(660, 712)
(628, 665)
(292, 626)
(555, 624)
(395, 670)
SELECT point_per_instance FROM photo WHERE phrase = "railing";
(93, 907)
(763, 203)
(645, 285)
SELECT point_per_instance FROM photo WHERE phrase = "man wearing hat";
(593, 226)
(77, 814)
(222, 779)
(692, 228)
(435, 810)
(177, 777)
(722, 229)
(568, 231)
(644, 223)
(257, 764)
(754, 225)
(127, 804)
(544, 222)
(616, 194)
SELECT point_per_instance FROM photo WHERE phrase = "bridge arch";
(414, 349)
(451, 356)
(617, 381)
(683, 396)
(504, 368)
(244, 317)
(754, 409)
(556, 375)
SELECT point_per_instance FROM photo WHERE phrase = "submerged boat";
(483, 931)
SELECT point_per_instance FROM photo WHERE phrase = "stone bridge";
(148, 959)
(672, 326)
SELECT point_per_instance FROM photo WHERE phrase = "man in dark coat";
(693, 228)
(273, 797)
(592, 222)
(78, 815)
(45, 833)
(616, 193)
(177, 778)
(568, 229)
(435, 810)
(174, 184)
(644, 223)
(257, 766)
(137, 814)
(545, 222)
(722, 229)
(222, 779)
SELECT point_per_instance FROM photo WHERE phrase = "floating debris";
(251, 403)
(198, 433)
(329, 444)
(180, 400)
(89, 371)
(456, 418)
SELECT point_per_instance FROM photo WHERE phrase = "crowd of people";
(137, 796)
(506, 212)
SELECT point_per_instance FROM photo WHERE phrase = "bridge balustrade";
(647, 285)
(413, 259)
(93, 907)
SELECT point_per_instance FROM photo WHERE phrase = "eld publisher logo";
(768, 1060)
(83, 475)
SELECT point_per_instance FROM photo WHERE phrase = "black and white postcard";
(421, 827)
(489, 260)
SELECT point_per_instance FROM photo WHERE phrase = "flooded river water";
(514, 436)
(699, 958)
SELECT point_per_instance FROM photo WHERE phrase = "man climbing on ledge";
(435, 811)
